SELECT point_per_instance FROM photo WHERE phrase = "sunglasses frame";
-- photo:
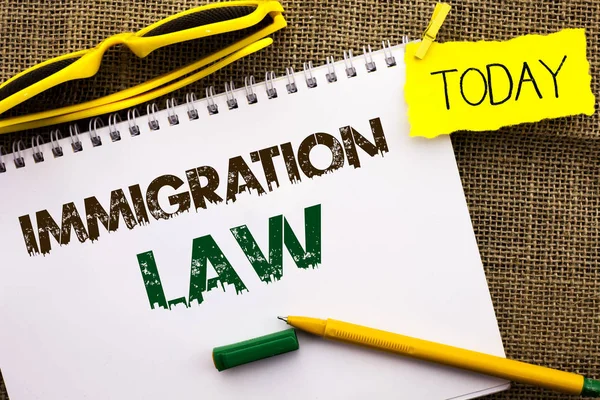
(90, 60)
(136, 95)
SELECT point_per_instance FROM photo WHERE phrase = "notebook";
(125, 262)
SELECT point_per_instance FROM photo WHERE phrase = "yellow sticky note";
(479, 86)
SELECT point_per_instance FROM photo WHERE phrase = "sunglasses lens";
(34, 76)
(203, 17)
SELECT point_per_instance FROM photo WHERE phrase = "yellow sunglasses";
(260, 18)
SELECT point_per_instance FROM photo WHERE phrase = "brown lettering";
(199, 192)
(351, 138)
(138, 205)
(290, 162)
(309, 143)
(265, 156)
(181, 199)
(120, 206)
(46, 227)
(71, 218)
(237, 166)
(94, 212)
(28, 235)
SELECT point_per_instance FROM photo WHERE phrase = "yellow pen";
(565, 382)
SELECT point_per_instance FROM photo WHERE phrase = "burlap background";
(533, 190)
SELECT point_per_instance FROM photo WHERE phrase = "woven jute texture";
(533, 190)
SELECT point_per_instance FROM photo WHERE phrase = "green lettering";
(267, 270)
(280, 233)
(206, 249)
(154, 289)
(312, 236)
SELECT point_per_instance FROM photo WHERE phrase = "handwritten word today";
(497, 71)
(268, 269)
(486, 85)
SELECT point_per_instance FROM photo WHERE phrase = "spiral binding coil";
(310, 80)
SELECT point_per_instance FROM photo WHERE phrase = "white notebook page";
(394, 250)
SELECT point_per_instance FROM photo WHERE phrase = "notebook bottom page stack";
(125, 264)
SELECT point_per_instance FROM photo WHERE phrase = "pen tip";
(284, 319)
